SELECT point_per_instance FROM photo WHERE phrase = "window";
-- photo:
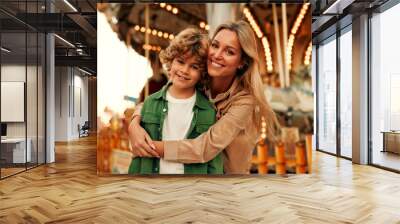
(346, 93)
(385, 88)
(327, 96)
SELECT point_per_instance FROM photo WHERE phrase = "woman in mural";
(235, 88)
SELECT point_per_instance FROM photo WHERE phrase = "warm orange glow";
(202, 25)
(260, 35)
(293, 32)
(307, 56)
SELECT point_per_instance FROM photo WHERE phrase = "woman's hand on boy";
(141, 143)
(159, 147)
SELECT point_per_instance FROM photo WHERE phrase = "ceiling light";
(70, 5)
(5, 50)
(79, 45)
(65, 41)
(84, 71)
(337, 7)
(175, 11)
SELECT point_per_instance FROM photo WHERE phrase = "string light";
(169, 8)
(263, 128)
(307, 56)
(252, 22)
(151, 47)
(267, 52)
(154, 32)
(293, 32)
(264, 39)
(204, 25)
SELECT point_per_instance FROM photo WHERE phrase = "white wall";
(61, 103)
(34, 125)
(71, 93)
(79, 117)
(13, 73)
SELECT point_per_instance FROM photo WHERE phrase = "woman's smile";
(216, 64)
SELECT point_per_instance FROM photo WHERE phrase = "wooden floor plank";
(69, 191)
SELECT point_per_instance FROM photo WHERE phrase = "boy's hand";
(141, 143)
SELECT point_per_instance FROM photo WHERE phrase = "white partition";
(12, 101)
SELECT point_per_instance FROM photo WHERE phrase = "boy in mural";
(179, 110)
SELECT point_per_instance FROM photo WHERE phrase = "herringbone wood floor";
(69, 191)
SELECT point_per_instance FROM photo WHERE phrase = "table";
(391, 141)
(16, 148)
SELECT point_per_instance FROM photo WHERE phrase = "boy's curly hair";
(190, 40)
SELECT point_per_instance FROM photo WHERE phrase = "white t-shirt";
(176, 126)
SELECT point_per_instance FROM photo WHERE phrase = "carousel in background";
(130, 37)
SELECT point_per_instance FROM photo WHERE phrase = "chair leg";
(280, 166)
(300, 158)
(309, 152)
(262, 156)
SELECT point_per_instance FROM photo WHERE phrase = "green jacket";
(153, 113)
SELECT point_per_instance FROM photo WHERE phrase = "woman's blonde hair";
(250, 76)
(191, 40)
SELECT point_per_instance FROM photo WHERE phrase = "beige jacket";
(235, 134)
